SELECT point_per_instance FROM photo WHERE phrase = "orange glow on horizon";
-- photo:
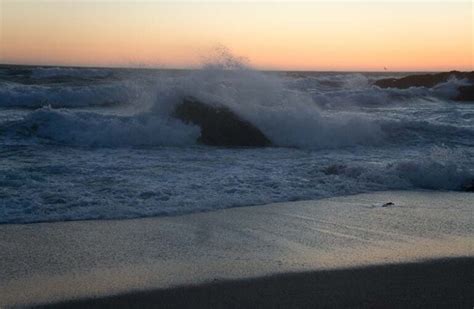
(352, 36)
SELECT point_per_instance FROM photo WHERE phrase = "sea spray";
(65, 155)
(288, 117)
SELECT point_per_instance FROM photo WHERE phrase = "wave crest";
(92, 129)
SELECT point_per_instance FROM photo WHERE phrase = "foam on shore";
(49, 262)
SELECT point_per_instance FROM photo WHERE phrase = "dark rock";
(468, 186)
(219, 125)
(466, 93)
(334, 169)
(422, 80)
(388, 204)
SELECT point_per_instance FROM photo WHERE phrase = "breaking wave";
(15, 95)
(443, 168)
(291, 111)
(92, 129)
(93, 143)
(72, 184)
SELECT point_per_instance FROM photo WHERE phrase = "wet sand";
(298, 251)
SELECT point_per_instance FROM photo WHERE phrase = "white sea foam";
(290, 111)
(72, 184)
(92, 129)
(16, 95)
(288, 117)
(442, 168)
(336, 134)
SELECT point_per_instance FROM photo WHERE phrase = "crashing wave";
(15, 95)
(310, 111)
(93, 129)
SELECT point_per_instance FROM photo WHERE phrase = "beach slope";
(362, 250)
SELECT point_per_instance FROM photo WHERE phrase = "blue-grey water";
(100, 143)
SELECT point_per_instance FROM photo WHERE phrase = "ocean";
(81, 143)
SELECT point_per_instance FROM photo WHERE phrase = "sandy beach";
(236, 154)
(350, 251)
(439, 283)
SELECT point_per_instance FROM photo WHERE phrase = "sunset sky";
(306, 35)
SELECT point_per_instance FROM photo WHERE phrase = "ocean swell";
(287, 116)
(93, 129)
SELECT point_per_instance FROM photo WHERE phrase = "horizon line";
(198, 68)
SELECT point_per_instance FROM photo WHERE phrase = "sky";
(277, 35)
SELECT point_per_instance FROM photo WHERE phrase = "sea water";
(80, 143)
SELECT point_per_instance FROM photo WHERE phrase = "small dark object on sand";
(388, 204)
(219, 125)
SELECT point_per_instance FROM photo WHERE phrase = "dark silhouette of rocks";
(422, 80)
(219, 125)
(468, 186)
(466, 93)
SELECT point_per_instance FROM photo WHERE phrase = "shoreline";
(55, 262)
(436, 283)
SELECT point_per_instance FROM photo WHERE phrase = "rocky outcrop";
(422, 80)
(468, 186)
(219, 125)
(466, 93)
